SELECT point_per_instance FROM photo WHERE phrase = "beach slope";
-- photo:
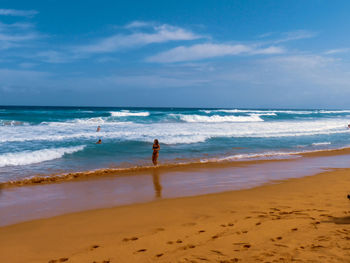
(298, 220)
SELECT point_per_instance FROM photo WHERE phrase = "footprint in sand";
(58, 260)
(141, 250)
(263, 216)
(159, 255)
(188, 246)
(280, 245)
(93, 247)
(179, 241)
(130, 239)
(218, 252)
(201, 231)
(316, 246)
(202, 258)
(232, 260)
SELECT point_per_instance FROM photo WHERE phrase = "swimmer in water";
(99, 141)
(155, 154)
(98, 128)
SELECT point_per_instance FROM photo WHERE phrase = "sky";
(198, 53)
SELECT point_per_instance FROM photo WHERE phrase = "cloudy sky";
(261, 54)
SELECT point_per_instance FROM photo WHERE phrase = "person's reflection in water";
(156, 183)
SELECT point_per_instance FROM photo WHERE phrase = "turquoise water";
(60, 139)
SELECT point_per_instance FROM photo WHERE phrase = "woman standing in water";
(155, 154)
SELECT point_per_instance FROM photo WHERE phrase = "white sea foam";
(12, 123)
(259, 111)
(191, 131)
(334, 111)
(321, 143)
(217, 118)
(274, 155)
(31, 157)
(126, 113)
(263, 114)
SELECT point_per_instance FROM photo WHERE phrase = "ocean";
(54, 140)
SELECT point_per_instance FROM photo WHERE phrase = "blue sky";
(261, 54)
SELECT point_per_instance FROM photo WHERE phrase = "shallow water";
(20, 204)
(47, 140)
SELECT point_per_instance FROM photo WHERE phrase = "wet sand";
(64, 177)
(297, 220)
(19, 204)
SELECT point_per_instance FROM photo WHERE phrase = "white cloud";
(52, 56)
(15, 12)
(161, 34)
(295, 35)
(26, 65)
(337, 51)
(138, 24)
(205, 51)
(16, 34)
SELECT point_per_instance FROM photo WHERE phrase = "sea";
(53, 140)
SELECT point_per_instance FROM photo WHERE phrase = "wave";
(276, 155)
(228, 160)
(302, 112)
(86, 122)
(126, 113)
(217, 118)
(320, 143)
(334, 111)
(265, 155)
(188, 129)
(259, 111)
(263, 114)
(31, 157)
(12, 123)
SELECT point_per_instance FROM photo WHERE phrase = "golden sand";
(298, 220)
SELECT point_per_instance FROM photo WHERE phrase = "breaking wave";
(321, 143)
(217, 118)
(126, 113)
(31, 157)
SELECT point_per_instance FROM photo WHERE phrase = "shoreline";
(303, 219)
(20, 204)
(211, 163)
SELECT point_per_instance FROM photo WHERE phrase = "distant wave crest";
(126, 113)
(321, 143)
(31, 157)
(217, 118)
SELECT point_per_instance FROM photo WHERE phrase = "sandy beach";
(302, 220)
(174, 131)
